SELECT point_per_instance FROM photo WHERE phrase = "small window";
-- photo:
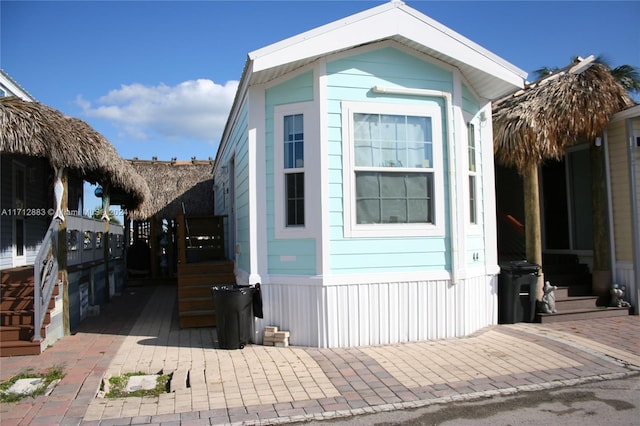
(471, 144)
(295, 134)
(293, 145)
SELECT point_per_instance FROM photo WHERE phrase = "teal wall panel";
(351, 79)
(295, 90)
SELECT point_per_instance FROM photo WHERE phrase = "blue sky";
(157, 78)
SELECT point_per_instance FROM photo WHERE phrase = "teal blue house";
(356, 172)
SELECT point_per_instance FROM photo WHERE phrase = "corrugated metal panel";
(380, 313)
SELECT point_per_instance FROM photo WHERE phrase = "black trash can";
(234, 315)
(517, 291)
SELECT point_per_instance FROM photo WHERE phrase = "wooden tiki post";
(533, 230)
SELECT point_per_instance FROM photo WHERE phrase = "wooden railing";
(200, 238)
(45, 271)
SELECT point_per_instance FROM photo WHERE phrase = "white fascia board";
(462, 50)
(293, 42)
(630, 112)
(461, 40)
(385, 22)
(14, 88)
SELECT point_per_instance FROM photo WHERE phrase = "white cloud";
(194, 109)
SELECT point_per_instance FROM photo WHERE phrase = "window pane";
(293, 141)
(366, 140)
(419, 142)
(394, 197)
(295, 198)
(472, 199)
(472, 147)
(392, 141)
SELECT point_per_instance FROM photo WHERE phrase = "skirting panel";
(353, 315)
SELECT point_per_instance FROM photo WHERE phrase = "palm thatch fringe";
(175, 184)
(34, 129)
(541, 121)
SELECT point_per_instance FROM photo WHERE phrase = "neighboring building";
(356, 171)
(623, 143)
(20, 238)
(57, 266)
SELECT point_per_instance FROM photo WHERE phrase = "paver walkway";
(268, 385)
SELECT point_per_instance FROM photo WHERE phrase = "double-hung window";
(393, 169)
(295, 133)
(473, 199)
(293, 151)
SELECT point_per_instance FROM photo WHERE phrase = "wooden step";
(195, 290)
(23, 303)
(19, 332)
(211, 279)
(581, 314)
(17, 275)
(19, 348)
(20, 317)
(193, 319)
(205, 268)
(17, 290)
(10, 332)
(576, 303)
(188, 304)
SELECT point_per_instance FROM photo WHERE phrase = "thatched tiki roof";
(174, 184)
(540, 121)
(34, 129)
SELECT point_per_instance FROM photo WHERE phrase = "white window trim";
(311, 151)
(351, 228)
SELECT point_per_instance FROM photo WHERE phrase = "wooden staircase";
(16, 313)
(574, 297)
(572, 308)
(195, 300)
(201, 265)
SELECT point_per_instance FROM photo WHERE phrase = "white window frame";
(353, 229)
(475, 173)
(311, 136)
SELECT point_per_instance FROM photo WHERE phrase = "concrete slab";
(146, 382)
(26, 386)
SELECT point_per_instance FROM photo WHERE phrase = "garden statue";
(617, 297)
(548, 303)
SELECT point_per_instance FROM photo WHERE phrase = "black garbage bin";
(517, 291)
(234, 315)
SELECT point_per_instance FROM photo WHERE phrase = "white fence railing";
(86, 240)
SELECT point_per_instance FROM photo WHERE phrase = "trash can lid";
(520, 265)
(231, 288)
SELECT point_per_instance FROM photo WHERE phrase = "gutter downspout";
(453, 212)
